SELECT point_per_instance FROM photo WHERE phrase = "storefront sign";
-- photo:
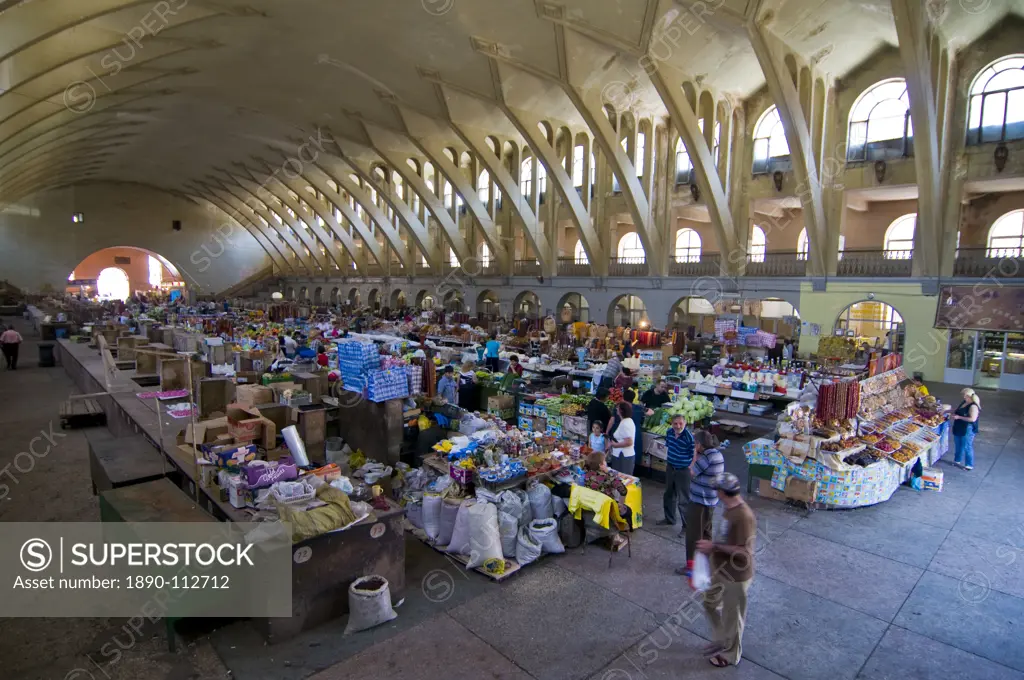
(981, 307)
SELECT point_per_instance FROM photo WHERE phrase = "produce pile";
(693, 408)
(835, 347)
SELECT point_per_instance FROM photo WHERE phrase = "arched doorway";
(318, 295)
(397, 299)
(453, 302)
(373, 299)
(526, 305)
(573, 307)
(303, 294)
(487, 305)
(427, 301)
(695, 313)
(113, 284)
(777, 316)
(628, 310)
(334, 296)
(353, 297)
(293, 294)
(876, 323)
(147, 272)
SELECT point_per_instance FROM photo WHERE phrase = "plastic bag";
(432, 516)
(484, 536)
(460, 534)
(700, 578)
(508, 527)
(511, 504)
(527, 549)
(414, 513)
(545, 532)
(558, 506)
(449, 513)
(369, 603)
(540, 501)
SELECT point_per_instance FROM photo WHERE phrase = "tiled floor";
(927, 585)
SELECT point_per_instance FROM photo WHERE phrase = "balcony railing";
(568, 266)
(526, 268)
(875, 263)
(1005, 263)
(708, 265)
(628, 266)
(787, 263)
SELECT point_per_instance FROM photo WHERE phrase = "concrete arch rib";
(243, 196)
(255, 188)
(288, 247)
(269, 246)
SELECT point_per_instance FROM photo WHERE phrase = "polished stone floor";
(927, 585)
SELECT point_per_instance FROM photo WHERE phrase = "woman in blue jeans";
(965, 426)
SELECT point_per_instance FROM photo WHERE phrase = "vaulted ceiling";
(165, 93)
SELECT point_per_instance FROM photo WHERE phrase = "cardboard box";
(246, 424)
(932, 478)
(766, 490)
(500, 402)
(801, 489)
(253, 395)
(526, 424)
(247, 378)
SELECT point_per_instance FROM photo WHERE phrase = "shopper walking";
(10, 341)
(708, 463)
(732, 572)
(468, 398)
(638, 420)
(623, 455)
(679, 443)
(965, 427)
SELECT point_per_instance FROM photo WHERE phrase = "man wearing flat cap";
(732, 572)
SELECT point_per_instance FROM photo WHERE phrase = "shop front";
(986, 359)
(986, 337)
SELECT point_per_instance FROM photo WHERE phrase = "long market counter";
(320, 582)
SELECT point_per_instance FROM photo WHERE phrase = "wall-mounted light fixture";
(78, 218)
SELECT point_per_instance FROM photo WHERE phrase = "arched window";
(1006, 237)
(485, 255)
(803, 245)
(771, 150)
(580, 254)
(684, 166)
(687, 246)
(880, 125)
(453, 259)
(758, 245)
(577, 166)
(631, 250)
(542, 180)
(899, 238)
(112, 284)
(593, 172)
(526, 177)
(448, 194)
(483, 186)
(996, 111)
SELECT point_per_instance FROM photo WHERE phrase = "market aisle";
(54, 486)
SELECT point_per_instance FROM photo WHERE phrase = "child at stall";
(597, 438)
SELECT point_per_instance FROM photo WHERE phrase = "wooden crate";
(75, 413)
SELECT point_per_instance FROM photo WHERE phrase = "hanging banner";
(983, 306)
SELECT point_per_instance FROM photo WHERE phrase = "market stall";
(856, 445)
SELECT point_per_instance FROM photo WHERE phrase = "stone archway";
(488, 305)
(527, 304)
(627, 310)
(572, 307)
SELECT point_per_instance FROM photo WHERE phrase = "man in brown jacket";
(732, 572)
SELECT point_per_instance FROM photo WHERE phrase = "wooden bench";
(75, 413)
(117, 462)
